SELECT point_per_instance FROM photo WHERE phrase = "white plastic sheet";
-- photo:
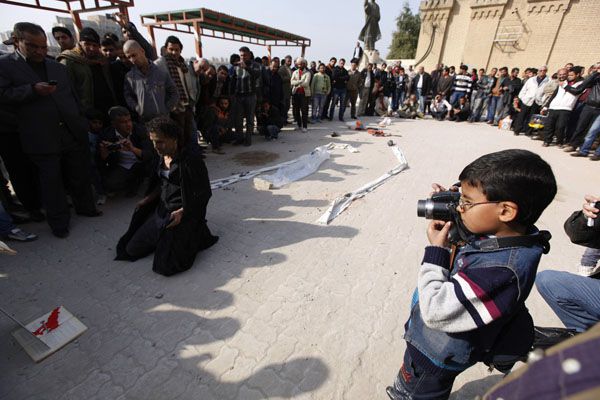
(304, 166)
(291, 169)
(343, 202)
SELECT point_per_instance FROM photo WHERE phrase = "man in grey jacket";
(51, 126)
(148, 90)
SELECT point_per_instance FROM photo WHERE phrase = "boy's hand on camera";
(437, 233)
(588, 210)
(439, 188)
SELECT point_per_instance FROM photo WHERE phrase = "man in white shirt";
(558, 108)
(530, 97)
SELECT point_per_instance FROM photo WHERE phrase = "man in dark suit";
(52, 129)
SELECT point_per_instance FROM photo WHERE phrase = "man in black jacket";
(339, 79)
(329, 68)
(125, 153)
(51, 126)
(591, 109)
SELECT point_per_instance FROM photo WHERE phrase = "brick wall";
(552, 32)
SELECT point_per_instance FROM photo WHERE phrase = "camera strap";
(542, 238)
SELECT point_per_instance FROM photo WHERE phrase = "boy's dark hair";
(504, 69)
(519, 176)
(174, 40)
(223, 68)
(234, 58)
(245, 49)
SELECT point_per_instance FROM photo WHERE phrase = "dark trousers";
(145, 239)
(413, 382)
(69, 169)
(245, 107)
(352, 97)
(586, 119)
(21, 171)
(573, 119)
(556, 125)
(287, 102)
(119, 179)
(300, 102)
(216, 138)
(439, 115)
(521, 121)
(338, 94)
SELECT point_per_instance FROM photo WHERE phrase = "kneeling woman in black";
(171, 220)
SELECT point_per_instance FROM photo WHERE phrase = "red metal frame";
(209, 23)
(75, 7)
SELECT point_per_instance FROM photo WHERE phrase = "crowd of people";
(108, 115)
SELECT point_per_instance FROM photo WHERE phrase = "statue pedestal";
(370, 56)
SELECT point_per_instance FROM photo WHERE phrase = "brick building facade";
(515, 33)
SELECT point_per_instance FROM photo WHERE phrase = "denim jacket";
(500, 279)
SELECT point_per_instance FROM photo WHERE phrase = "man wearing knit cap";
(90, 72)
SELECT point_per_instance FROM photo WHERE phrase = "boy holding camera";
(469, 305)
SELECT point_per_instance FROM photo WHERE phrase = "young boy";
(463, 312)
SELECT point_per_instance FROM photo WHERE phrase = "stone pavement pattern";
(281, 307)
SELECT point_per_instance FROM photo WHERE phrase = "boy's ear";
(509, 211)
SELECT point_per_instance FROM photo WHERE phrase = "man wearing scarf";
(90, 73)
(186, 82)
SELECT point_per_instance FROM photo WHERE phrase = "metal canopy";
(209, 23)
(73, 7)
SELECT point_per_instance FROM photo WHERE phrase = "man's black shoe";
(578, 154)
(341, 119)
(353, 117)
(60, 233)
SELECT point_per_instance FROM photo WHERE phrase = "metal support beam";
(152, 38)
(198, 39)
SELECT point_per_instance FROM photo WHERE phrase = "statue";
(370, 32)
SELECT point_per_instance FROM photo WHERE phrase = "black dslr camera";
(442, 206)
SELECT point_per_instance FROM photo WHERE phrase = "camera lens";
(425, 208)
(430, 209)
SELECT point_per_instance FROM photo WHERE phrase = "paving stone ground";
(281, 307)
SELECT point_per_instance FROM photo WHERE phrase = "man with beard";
(186, 82)
(90, 72)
